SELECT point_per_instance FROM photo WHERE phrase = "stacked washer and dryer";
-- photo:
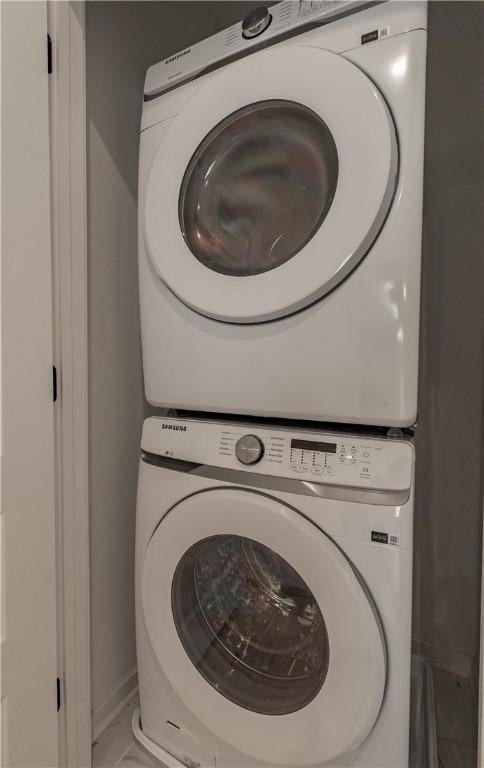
(280, 213)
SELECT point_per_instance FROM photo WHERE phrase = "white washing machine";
(280, 211)
(273, 592)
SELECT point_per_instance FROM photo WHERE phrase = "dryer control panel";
(261, 25)
(312, 456)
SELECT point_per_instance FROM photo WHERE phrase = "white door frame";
(29, 709)
(70, 298)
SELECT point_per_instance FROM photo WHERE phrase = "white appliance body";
(273, 600)
(286, 314)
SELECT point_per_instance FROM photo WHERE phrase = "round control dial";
(256, 22)
(249, 449)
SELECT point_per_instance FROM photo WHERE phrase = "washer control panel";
(312, 456)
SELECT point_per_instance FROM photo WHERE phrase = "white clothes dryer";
(273, 595)
(280, 211)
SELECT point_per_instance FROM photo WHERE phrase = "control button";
(256, 22)
(249, 449)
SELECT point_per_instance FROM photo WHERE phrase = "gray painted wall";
(123, 39)
(449, 436)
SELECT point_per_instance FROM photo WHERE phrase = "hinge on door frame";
(54, 383)
(58, 689)
(49, 55)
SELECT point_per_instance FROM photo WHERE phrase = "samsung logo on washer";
(177, 56)
(175, 427)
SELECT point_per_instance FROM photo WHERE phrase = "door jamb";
(29, 727)
(66, 22)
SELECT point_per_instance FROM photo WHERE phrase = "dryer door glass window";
(250, 624)
(258, 188)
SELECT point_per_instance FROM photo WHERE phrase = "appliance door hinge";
(49, 55)
(58, 688)
(54, 383)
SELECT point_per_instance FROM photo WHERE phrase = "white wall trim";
(30, 721)
(452, 661)
(70, 280)
(106, 714)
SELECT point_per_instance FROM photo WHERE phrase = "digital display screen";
(312, 445)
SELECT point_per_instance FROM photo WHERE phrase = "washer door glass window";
(258, 188)
(250, 624)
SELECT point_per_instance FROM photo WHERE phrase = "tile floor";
(454, 755)
(456, 716)
(116, 747)
(456, 708)
(451, 755)
(137, 757)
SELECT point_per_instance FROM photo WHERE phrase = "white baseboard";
(104, 716)
(452, 661)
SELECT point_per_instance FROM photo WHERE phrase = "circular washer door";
(270, 185)
(263, 628)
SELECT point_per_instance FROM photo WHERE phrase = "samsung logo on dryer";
(175, 427)
(177, 56)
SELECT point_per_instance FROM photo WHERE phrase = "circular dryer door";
(263, 628)
(270, 185)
